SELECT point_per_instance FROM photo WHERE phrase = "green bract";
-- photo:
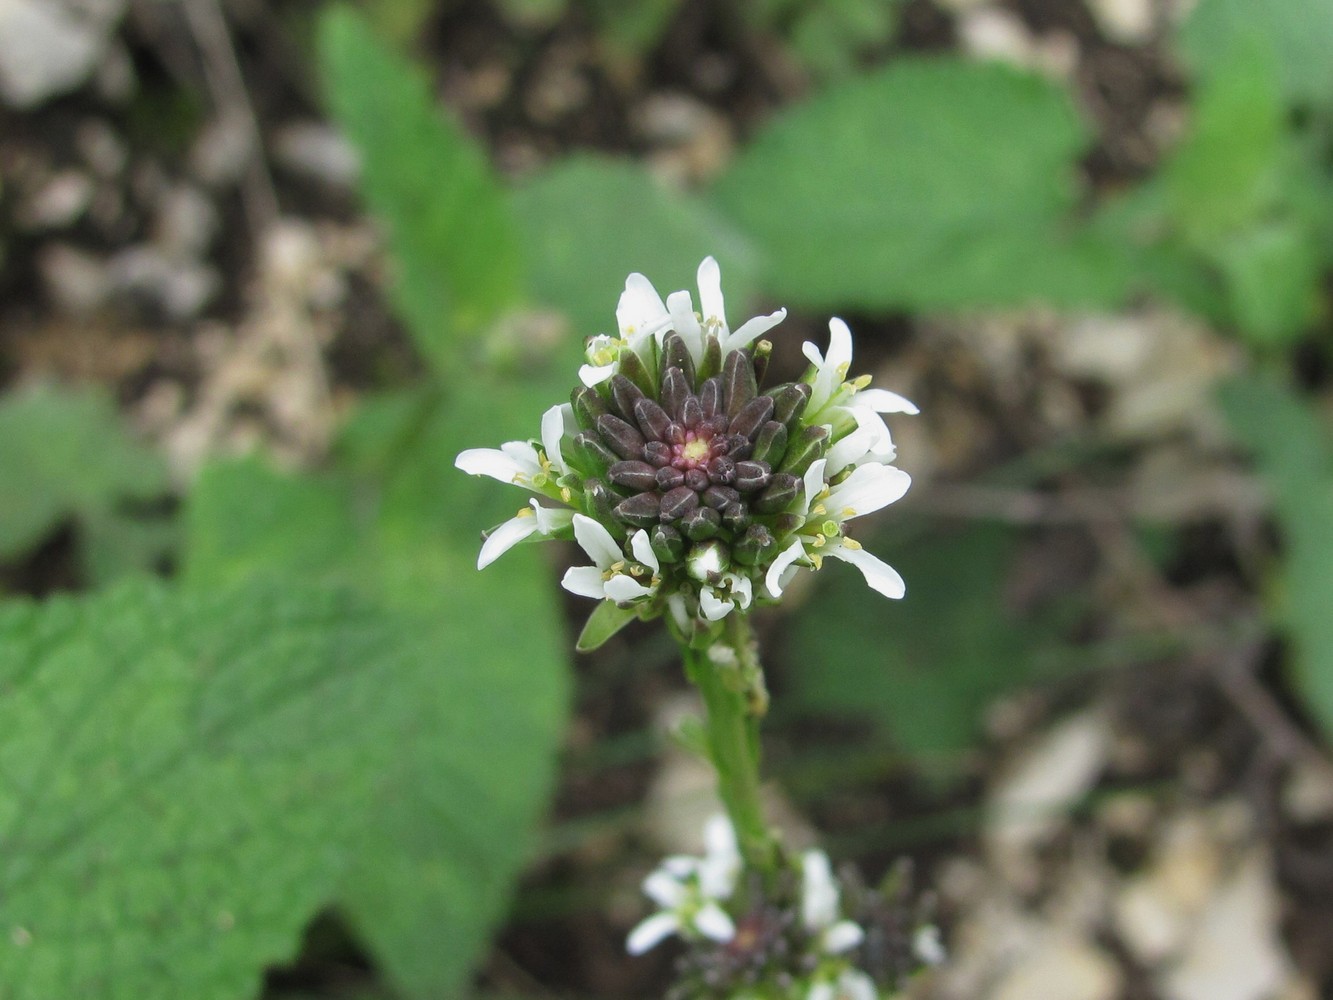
(694, 490)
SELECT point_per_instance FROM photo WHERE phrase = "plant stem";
(731, 681)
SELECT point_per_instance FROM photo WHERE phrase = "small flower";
(851, 984)
(696, 491)
(820, 911)
(690, 892)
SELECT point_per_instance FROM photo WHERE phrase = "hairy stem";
(731, 681)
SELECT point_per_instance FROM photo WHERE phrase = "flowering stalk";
(697, 494)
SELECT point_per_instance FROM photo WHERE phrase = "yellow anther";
(526, 512)
(860, 382)
(848, 512)
(818, 510)
(565, 494)
(851, 543)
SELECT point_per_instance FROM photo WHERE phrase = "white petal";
(683, 321)
(490, 462)
(551, 519)
(926, 945)
(586, 581)
(881, 577)
(842, 936)
(679, 614)
(752, 329)
(854, 446)
(720, 837)
(773, 581)
(742, 591)
(710, 295)
(821, 991)
(505, 537)
(867, 489)
(553, 429)
(596, 541)
(640, 312)
(819, 891)
(663, 889)
(814, 483)
(643, 550)
(856, 985)
(594, 375)
(713, 607)
(813, 354)
(622, 588)
(834, 367)
(651, 932)
(712, 922)
(883, 401)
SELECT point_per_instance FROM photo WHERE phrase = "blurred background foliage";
(277, 694)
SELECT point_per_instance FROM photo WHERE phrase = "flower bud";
(707, 562)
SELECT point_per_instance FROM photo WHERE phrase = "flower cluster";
(796, 939)
(692, 490)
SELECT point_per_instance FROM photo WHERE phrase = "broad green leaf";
(932, 183)
(402, 524)
(1230, 167)
(925, 667)
(186, 778)
(454, 242)
(1297, 33)
(1294, 452)
(1273, 275)
(590, 222)
(65, 454)
(827, 36)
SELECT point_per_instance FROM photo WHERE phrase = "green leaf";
(188, 778)
(925, 667)
(65, 454)
(454, 242)
(1273, 275)
(932, 183)
(592, 221)
(827, 36)
(1298, 34)
(1229, 169)
(1294, 452)
(605, 621)
(402, 525)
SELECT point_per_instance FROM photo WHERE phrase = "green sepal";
(712, 360)
(606, 620)
(810, 444)
(633, 368)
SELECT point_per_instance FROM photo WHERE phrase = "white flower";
(613, 578)
(519, 462)
(820, 901)
(927, 946)
(690, 892)
(714, 313)
(716, 601)
(536, 520)
(851, 984)
(866, 489)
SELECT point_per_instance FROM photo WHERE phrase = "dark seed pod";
(658, 453)
(678, 503)
(752, 416)
(809, 445)
(596, 455)
(738, 382)
(712, 360)
(739, 447)
(633, 475)
(751, 476)
(633, 368)
(721, 470)
(676, 355)
(669, 477)
(782, 491)
(785, 524)
(757, 541)
(588, 406)
(721, 497)
(717, 425)
(710, 395)
(624, 394)
(770, 444)
(789, 402)
(652, 419)
(691, 413)
(675, 388)
(667, 543)
(640, 510)
(619, 436)
(696, 479)
(736, 516)
(700, 524)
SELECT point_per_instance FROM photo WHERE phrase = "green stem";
(731, 681)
